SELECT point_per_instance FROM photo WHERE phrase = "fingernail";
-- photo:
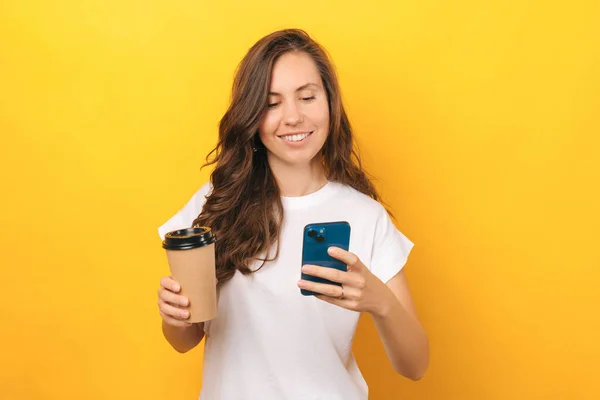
(185, 314)
(184, 302)
(176, 288)
(307, 268)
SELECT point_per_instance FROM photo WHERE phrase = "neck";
(298, 180)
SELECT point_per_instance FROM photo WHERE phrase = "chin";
(296, 159)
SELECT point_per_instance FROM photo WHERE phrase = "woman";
(285, 158)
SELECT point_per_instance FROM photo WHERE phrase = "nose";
(292, 114)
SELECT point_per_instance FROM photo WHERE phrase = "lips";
(295, 133)
(296, 136)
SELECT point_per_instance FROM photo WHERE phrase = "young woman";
(286, 158)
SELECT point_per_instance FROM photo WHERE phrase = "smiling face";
(296, 123)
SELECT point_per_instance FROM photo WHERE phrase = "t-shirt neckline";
(308, 199)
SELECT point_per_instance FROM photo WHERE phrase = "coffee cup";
(191, 256)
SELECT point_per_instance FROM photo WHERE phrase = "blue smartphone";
(317, 238)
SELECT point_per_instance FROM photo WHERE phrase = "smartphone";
(317, 238)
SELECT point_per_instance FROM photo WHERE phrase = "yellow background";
(480, 119)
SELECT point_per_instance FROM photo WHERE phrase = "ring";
(342, 295)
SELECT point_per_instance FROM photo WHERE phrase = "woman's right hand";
(172, 306)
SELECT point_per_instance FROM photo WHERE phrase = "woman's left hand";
(360, 291)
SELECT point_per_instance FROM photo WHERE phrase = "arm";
(403, 337)
(182, 335)
(391, 306)
(183, 339)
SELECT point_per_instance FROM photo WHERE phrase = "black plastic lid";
(189, 238)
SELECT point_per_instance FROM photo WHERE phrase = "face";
(296, 124)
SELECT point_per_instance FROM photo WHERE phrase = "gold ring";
(342, 295)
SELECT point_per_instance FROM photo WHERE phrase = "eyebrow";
(306, 86)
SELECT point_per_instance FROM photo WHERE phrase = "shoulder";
(188, 213)
(195, 204)
(199, 198)
(205, 189)
(360, 201)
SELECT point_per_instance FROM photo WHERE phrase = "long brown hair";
(245, 209)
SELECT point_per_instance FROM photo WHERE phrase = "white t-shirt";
(269, 342)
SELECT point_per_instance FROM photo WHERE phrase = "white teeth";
(296, 138)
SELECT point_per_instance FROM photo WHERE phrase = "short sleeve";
(185, 216)
(390, 248)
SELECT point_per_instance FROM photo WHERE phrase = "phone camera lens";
(320, 239)
(312, 233)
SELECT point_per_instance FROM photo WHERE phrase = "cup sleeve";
(391, 248)
(186, 215)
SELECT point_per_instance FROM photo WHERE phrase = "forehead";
(293, 70)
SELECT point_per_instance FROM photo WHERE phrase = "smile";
(298, 137)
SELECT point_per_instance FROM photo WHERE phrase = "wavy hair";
(244, 208)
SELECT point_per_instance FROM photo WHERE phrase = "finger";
(173, 312)
(175, 299)
(322, 288)
(332, 274)
(350, 259)
(344, 303)
(174, 322)
(170, 284)
(333, 291)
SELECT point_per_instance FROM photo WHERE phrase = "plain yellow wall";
(480, 119)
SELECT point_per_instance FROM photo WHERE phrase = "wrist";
(385, 305)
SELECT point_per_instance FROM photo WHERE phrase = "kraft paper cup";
(191, 256)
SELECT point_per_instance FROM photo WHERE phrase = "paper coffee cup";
(191, 255)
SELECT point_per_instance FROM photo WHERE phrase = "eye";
(308, 98)
(272, 105)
